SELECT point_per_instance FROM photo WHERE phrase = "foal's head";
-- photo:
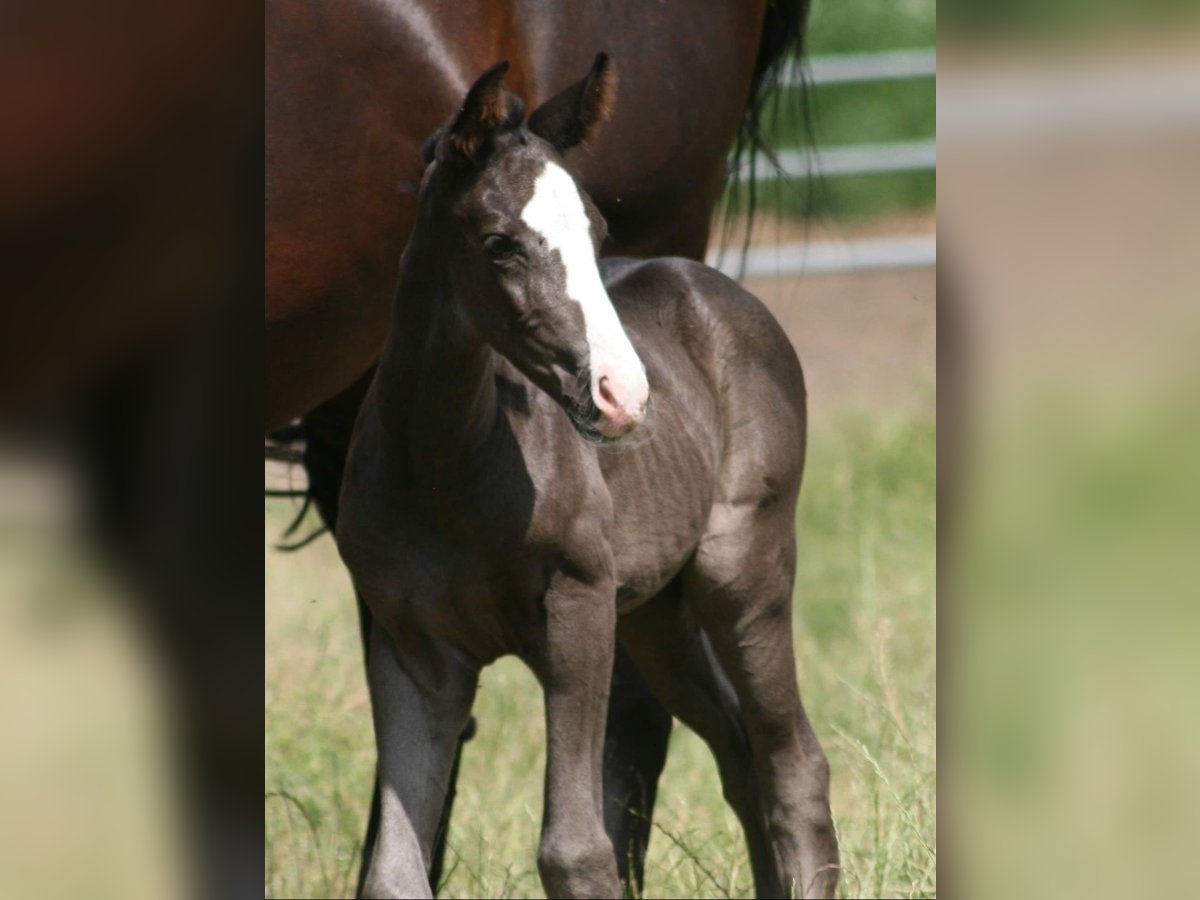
(522, 241)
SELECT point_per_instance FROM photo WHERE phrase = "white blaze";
(556, 212)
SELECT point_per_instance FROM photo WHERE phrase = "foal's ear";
(487, 106)
(573, 115)
(429, 148)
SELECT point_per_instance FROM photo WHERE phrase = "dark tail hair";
(288, 446)
(782, 42)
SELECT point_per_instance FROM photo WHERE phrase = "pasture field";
(865, 636)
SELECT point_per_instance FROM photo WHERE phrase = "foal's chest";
(469, 578)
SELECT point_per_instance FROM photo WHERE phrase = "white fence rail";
(860, 159)
(856, 68)
(826, 257)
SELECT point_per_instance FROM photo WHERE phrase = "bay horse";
(494, 503)
(353, 89)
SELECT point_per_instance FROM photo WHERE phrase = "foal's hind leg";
(421, 697)
(678, 664)
(739, 585)
(635, 750)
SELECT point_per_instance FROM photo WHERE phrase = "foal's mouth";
(587, 417)
(572, 387)
(582, 410)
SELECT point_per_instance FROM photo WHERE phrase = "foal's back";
(726, 426)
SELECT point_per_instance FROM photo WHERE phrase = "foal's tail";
(780, 51)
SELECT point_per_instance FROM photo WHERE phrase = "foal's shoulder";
(661, 270)
(664, 276)
(714, 316)
(678, 281)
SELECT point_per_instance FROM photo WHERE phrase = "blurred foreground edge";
(130, 343)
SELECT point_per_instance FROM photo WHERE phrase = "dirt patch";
(867, 341)
(774, 230)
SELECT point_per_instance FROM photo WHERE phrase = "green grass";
(864, 625)
(863, 26)
(1056, 20)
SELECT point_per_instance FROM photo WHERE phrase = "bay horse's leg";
(574, 665)
(739, 585)
(679, 667)
(635, 750)
(421, 698)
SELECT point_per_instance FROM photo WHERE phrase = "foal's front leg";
(421, 697)
(574, 664)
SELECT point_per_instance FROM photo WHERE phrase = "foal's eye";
(499, 247)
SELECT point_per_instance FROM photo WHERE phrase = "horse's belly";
(644, 568)
(662, 494)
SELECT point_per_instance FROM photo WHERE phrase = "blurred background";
(1069, 223)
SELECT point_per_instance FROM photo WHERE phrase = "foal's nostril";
(606, 394)
(618, 400)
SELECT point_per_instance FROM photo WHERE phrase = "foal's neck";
(436, 384)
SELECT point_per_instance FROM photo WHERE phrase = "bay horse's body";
(355, 86)
(477, 522)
